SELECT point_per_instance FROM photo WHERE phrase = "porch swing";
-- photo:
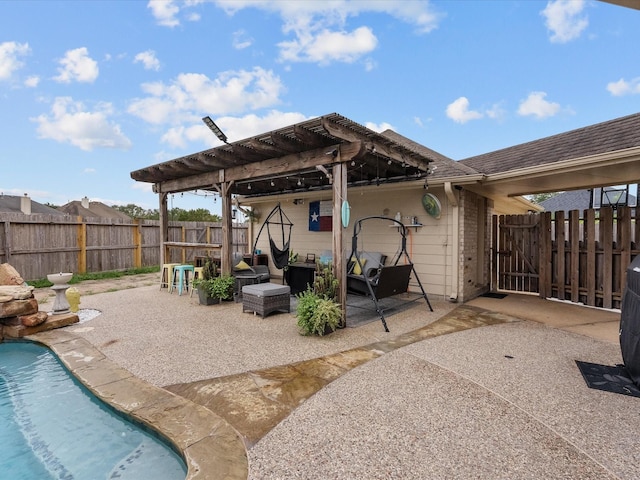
(280, 256)
(387, 280)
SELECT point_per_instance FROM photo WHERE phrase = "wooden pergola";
(327, 152)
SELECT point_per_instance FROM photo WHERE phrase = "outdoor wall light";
(215, 129)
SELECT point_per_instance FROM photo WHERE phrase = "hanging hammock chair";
(390, 279)
(280, 255)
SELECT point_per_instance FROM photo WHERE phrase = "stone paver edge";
(211, 448)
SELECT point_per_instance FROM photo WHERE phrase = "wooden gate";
(582, 259)
(516, 253)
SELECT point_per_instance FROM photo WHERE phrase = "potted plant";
(205, 284)
(222, 287)
(317, 310)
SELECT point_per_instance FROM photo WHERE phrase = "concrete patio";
(489, 389)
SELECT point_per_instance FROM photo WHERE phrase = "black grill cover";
(630, 322)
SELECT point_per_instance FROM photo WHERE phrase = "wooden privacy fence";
(582, 259)
(40, 244)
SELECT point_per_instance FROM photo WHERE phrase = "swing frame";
(391, 279)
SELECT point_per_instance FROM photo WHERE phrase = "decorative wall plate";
(432, 205)
(346, 213)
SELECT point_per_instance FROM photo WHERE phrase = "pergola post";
(339, 263)
(164, 227)
(227, 228)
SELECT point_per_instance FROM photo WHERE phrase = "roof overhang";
(611, 168)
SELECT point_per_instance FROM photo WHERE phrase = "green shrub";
(317, 314)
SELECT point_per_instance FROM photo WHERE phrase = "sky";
(93, 90)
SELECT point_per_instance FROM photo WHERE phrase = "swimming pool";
(52, 427)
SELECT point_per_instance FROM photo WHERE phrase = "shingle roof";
(11, 204)
(96, 209)
(617, 134)
(581, 200)
(446, 167)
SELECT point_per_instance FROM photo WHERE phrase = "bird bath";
(60, 286)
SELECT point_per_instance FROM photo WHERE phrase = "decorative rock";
(11, 321)
(34, 319)
(5, 298)
(18, 307)
(16, 292)
(9, 275)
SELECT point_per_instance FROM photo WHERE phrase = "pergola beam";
(276, 166)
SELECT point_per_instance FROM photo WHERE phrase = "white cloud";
(241, 40)
(89, 170)
(77, 65)
(165, 12)
(379, 127)
(32, 81)
(564, 19)
(10, 58)
(624, 87)
(535, 105)
(314, 23)
(148, 60)
(69, 122)
(191, 94)
(459, 112)
(235, 128)
(143, 186)
(327, 46)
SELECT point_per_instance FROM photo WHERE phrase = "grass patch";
(78, 278)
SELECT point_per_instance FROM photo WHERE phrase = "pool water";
(53, 428)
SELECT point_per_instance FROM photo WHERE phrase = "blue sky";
(92, 90)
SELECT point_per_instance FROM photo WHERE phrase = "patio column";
(339, 264)
(227, 227)
(164, 227)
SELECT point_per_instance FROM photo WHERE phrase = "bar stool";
(167, 275)
(182, 271)
(197, 274)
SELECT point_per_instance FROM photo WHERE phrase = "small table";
(243, 279)
(300, 276)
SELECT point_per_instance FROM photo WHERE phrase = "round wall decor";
(431, 205)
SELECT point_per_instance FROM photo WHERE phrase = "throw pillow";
(242, 266)
(356, 267)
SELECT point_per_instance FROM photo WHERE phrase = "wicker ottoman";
(264, 298)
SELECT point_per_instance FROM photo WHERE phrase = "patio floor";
(437, 397)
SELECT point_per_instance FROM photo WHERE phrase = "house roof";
(94, 209)
(581, 200)
(11, 204)
(606, 153)
(291, 159)
(613, 135)
(443, 166)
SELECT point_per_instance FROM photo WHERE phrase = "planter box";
(205, 299)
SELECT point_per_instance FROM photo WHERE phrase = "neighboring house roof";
(12, 204)
(87, 209)
(613, 135)
(581, 200)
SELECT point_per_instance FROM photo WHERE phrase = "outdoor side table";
(264, 298)
(243, 279)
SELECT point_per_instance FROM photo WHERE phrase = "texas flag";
(320, 216)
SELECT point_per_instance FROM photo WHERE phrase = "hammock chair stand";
(392, 279)
(280, 256)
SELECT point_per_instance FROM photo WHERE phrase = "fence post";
(545, 254)
(7, 241)
(82, 245)
(137, 242)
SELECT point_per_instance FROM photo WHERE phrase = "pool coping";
(209, 446)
